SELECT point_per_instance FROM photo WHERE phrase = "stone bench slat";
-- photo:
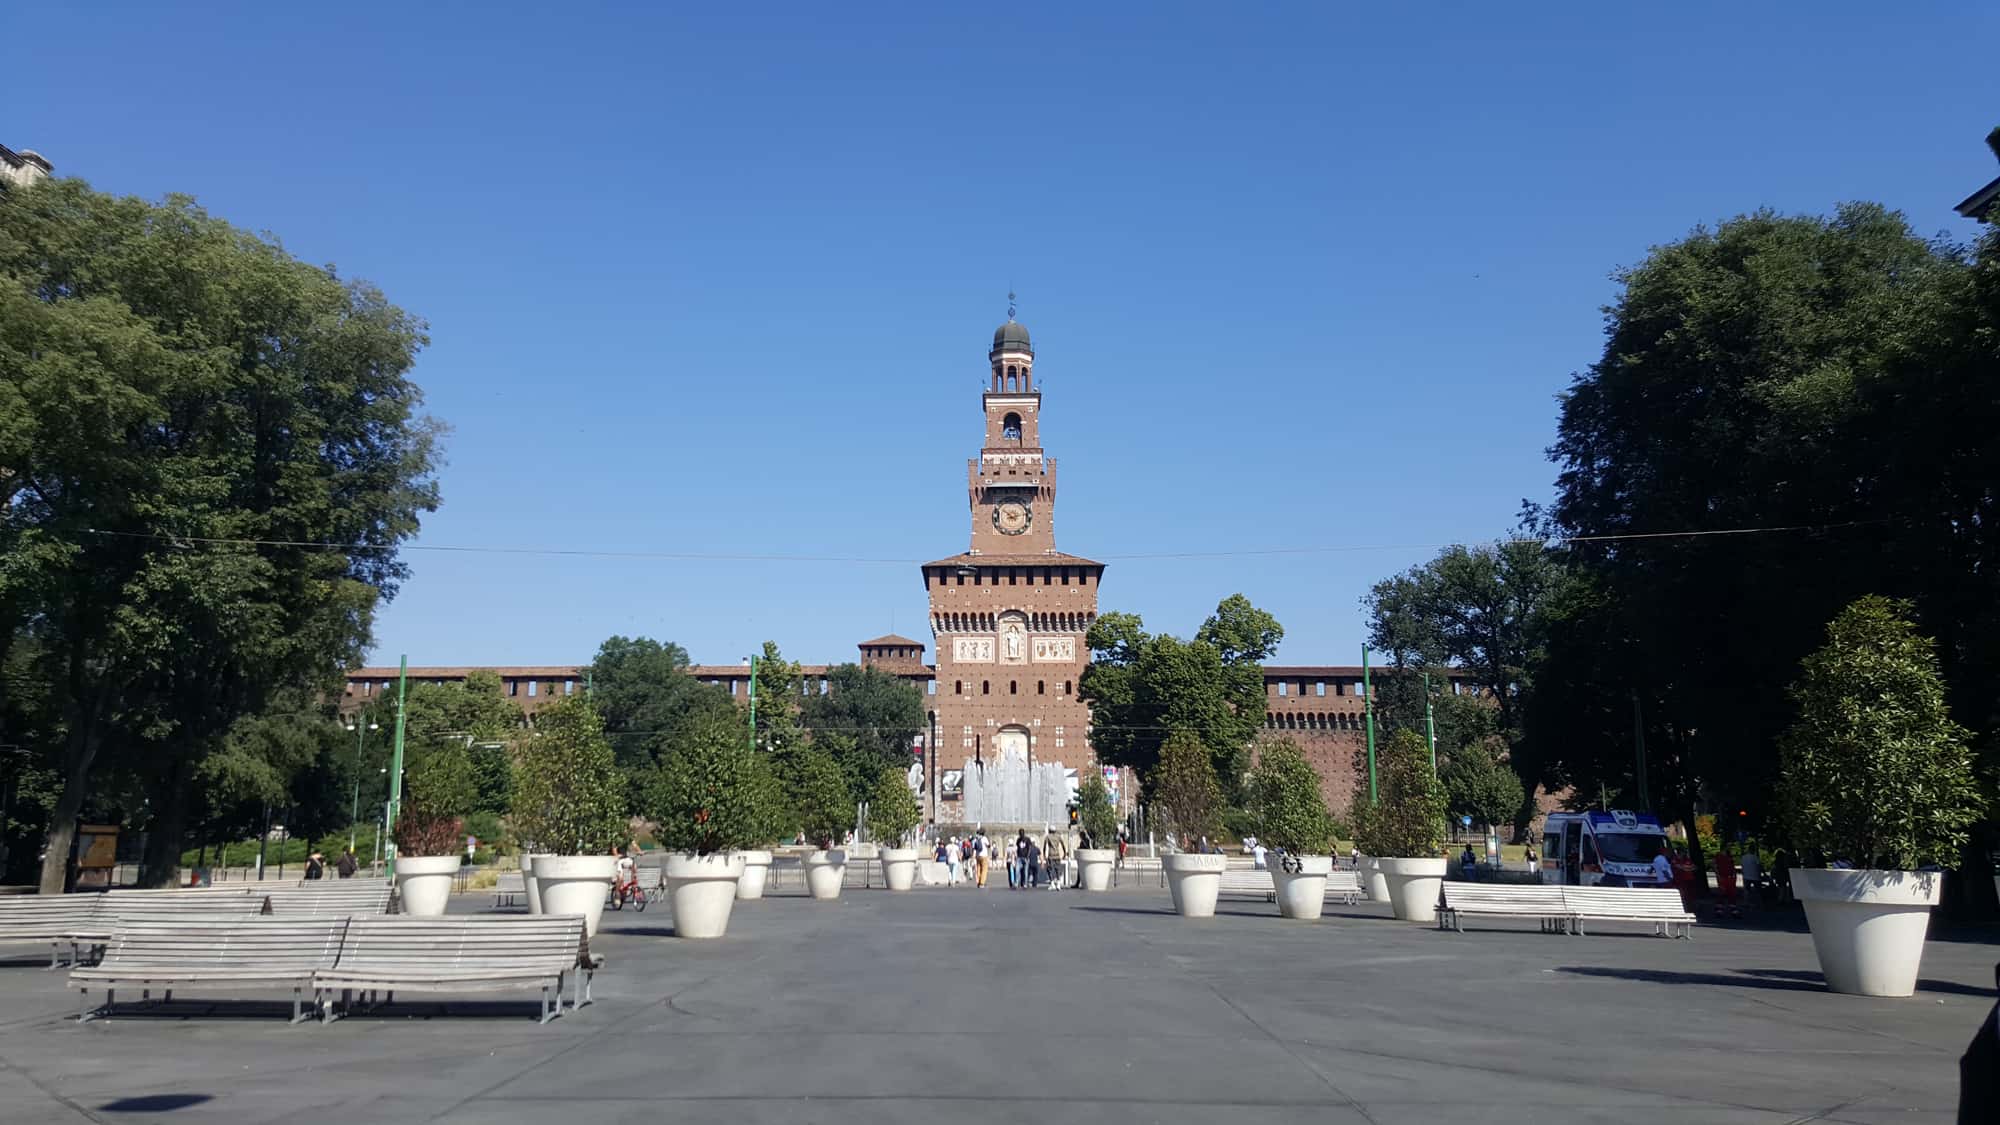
(344, 901)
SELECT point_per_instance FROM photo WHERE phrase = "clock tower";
(1010, 616)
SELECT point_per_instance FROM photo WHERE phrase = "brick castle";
(1009, 616)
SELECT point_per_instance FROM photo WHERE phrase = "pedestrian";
(1468, 864)
(1017, 872)
(1056, 850)
(1257, 856)
(1663, 865)
(953, 856)
(1529, 852)
(1031, 866)
(315, 866)
(346, 866)
(1354, 856)
(981, 850)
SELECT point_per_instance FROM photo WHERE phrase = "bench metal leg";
(546, 1015)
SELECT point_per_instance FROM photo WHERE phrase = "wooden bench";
(114, 907)
(478, 953)
(1659, 905)
(1249, 882)
(55, 919)
(221, 953)
(1503, 900)
(314, 899)
(1345, 886)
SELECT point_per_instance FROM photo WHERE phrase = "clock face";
(1012, 517)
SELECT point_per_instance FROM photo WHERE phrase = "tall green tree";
(868, 719)
(1143, 687)
(1480, 613)
(209, 453)
(1477, 784)
(648, 699)
(1828, 379)
(1408, 821)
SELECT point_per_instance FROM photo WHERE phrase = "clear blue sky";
(721, 278)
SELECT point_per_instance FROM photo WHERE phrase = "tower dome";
(1012, 337)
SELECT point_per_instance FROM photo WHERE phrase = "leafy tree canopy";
(707, 797)
(648, 700)
(170, 388)
(868, 717)
(569, 798)
(1142, 687)
(1407, 822)
(1286, 802)
(892, 808)
(1184, 787)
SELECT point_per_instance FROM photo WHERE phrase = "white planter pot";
(1301, 893)
(825, 871)
(423, 883)
(1414, 886)
(528, 884)
(703, 889)
(1096, 864)
(1376, 882)
(756, 869)
(1194, 880)
(899, 867)
(1868, 926)
(576, 884)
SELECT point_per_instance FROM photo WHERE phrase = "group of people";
(345, 867)
(1030, 863)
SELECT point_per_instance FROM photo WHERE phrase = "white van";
(1614, 848)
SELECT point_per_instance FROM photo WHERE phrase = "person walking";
(346, 866)
(981, 849)
(1055, 851)
(953, 856)
(1529, 853)
(1031, 867)
(315, 866)
(1017, 875)
(1468, 865)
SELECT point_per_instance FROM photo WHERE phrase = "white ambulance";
(1615, 848)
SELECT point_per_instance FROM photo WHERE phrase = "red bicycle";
(627, 889)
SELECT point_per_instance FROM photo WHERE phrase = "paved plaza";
(1003, 1007)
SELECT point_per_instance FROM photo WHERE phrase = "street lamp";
(354, 814)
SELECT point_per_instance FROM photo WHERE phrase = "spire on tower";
(1010, 302)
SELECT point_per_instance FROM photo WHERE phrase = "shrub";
(892, 808)
(1874, 771)
(442, 788)
(567, 791)
(704, 796)
(1184, 785)
(820, 797)
(1285, 799)
(1408, 821)
(1094, 812)
(775, 817)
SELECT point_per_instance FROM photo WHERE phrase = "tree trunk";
(160, 864)
(79, 754)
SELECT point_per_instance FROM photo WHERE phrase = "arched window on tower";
(1010, 427)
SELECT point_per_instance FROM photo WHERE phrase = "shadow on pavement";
(1923, 985)
(155, 1103)
(1781, 980)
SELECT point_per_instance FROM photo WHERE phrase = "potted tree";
(1099, 822)
(892, 812)
(1185, 788)
(824, 810)
(567, 800)
(1292, 818)
(1877, 790)
(429, 828)
(704, 801)
(1405, 827)
(774, 818)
